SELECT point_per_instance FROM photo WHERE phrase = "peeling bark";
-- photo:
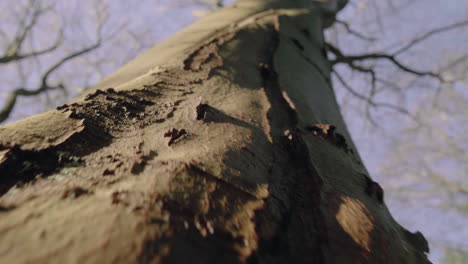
(229, 149)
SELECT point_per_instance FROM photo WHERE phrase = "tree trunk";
(222, 144)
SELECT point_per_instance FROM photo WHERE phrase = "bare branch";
(353, 32)
(13, 96)
(44, 87)
(25, 27)
(430, 34)
(12, 52)
(350, 59)
(454, 63)
(17, 57)
(369, 71)
(67, 58)
(378, 16)
(441, 180)
(369, 100)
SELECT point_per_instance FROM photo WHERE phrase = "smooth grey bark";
(222, 144)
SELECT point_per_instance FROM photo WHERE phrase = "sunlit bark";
(222, 144)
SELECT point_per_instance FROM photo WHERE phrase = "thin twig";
(44, 87)
(349, 59)
(13, 50)
(353, 32)
(16, 57)
(370, 100)
(429, 34)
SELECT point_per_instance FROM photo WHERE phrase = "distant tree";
(442, 171)
(43, 42)
(19, 37)
(454, 256)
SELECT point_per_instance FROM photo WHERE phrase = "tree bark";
(222, 144)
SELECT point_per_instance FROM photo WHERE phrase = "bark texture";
(222, 144)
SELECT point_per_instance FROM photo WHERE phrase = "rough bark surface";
(222, 144)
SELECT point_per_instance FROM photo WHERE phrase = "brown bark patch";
(42, 132)
(195, 60)
(205, 207)
(118, 197)
(75, 192)
(356, 221)
(328, 133)
(4, 208)
(20, 167)
(174, 135)
(112, 110)
(201, 111)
